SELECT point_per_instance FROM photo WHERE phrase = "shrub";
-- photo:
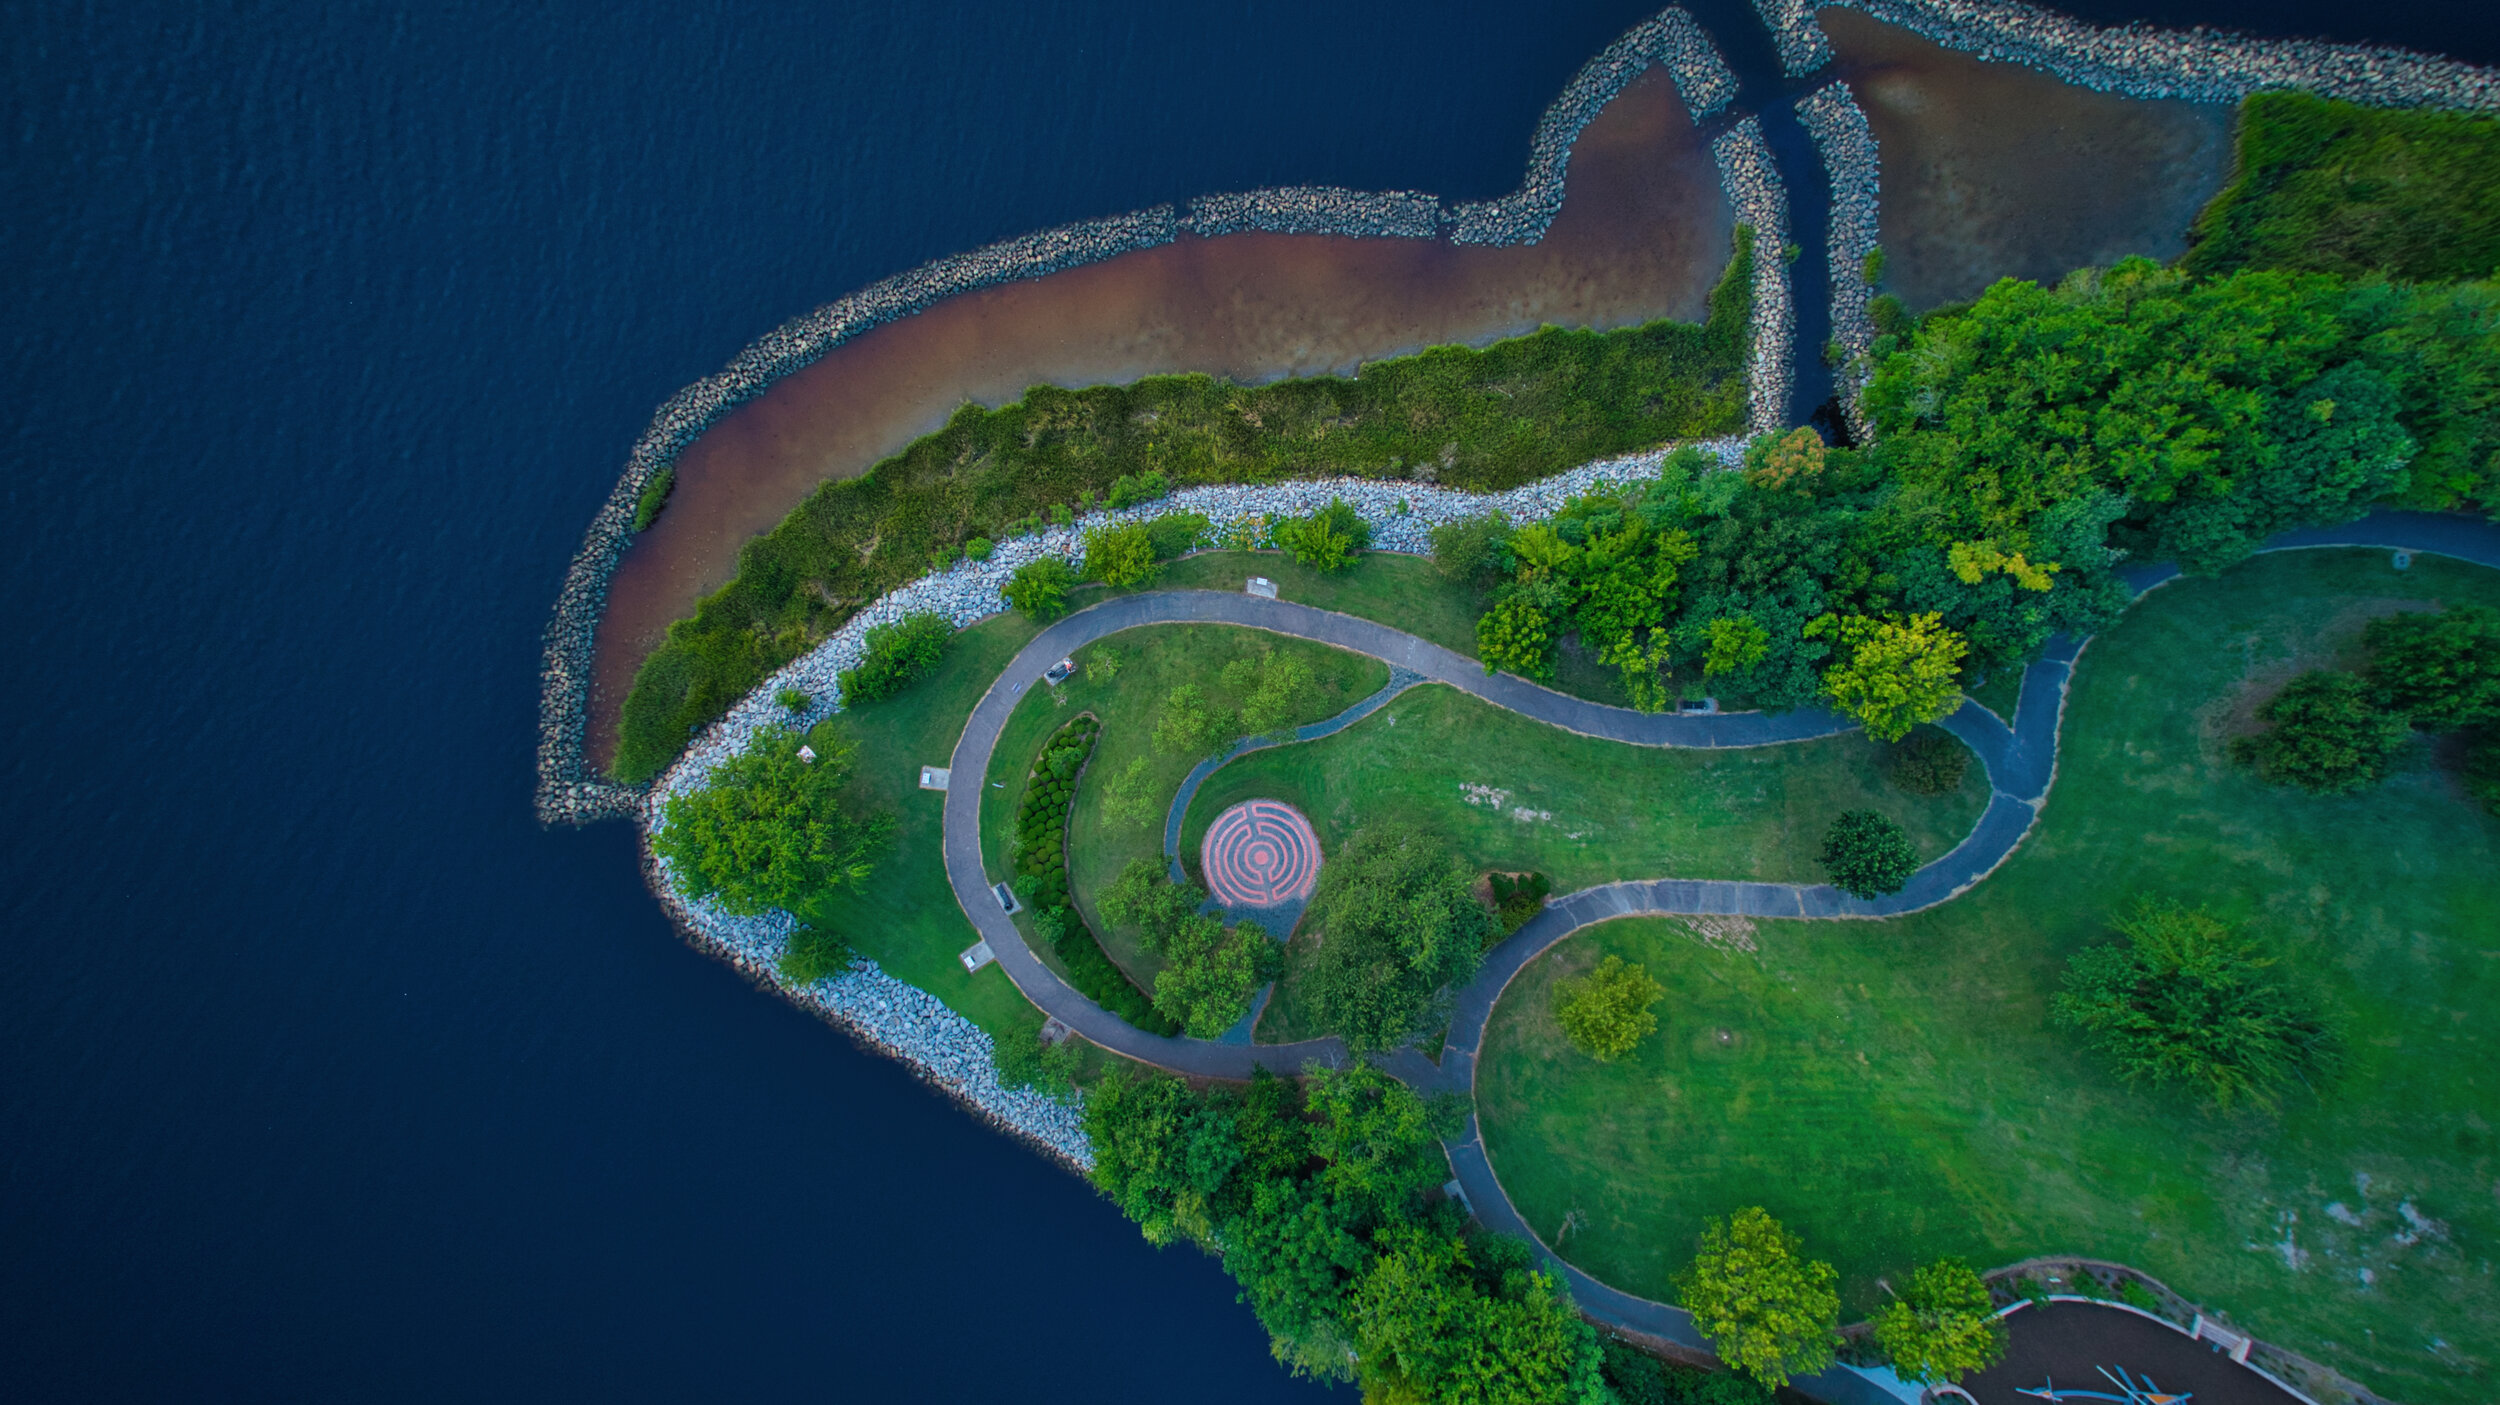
(1327, 540)
(1768, 1310)
(1475, 550)
(1274, 690)
(1520, 632)
(1606, 1012)
(1943, 1328)
(768, 830)
(1399, 925)
(654, 497)
(814, 954)
(1130, 801)
(896, 656)
(1176, 534)
(1102, 664)
(2185, 1002)
(1210, 971)
(979, 548)
(1119, 554)
(793, 700)
(1040, 587)
(2441, 670)
(1928, 762)
(2482, 770)
(2324, 734)
(1517, 897)
(1868, 855)
(1023, 1060)
(1130, 489)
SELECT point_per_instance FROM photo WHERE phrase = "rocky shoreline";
(909, 1024)
(1832, 117)
(2197, 65)
(1802, 44)
(569, 792)
(1753, 186)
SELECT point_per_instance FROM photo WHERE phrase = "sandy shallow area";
(1992, 170)
(1643, 233)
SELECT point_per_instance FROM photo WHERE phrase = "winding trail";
(2021, 763)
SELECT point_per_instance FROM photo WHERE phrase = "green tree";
(1379, 1143)
(1022, 1059)
(814, 953)
(1443, 1319)
(2324, 733)
(1893, 673)
(2482, 770)
(1520, 631)
(1868, 855)
(895, 656)
(1276, 690)
(2441, 670)
(1040, 587)
(1161, 1154)
(1607, 1012)
(2186, 1002)
(1768, 1310)
(1102, 664)
(1398, 925)
(1130, 801)
(1734, 644)
(1327, 540)
(769, 831)
(1943, 1328)
(1120, 554)
(1192, 725)
(1210, 972)
(1928, 762)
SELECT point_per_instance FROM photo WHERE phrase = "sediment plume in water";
(1644, 232)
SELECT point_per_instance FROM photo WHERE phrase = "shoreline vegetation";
(1516, 411)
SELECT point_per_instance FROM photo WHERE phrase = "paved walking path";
(2021, 763)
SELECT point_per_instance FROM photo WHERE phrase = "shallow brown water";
(1992, 170)
(1643, 233)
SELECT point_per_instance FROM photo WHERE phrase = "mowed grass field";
(1894, 1091)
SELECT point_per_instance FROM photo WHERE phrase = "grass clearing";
(1513, 795)
(1153, 661)
(1894, 1091)
(906, 917)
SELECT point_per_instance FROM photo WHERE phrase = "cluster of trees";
(2187, 1003)
(2027, 443)
(1210, 971)
(1394, 929)
(770, 829)
(1320, 1201)
(2336, 732)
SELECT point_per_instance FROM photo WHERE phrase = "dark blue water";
(324, 1074)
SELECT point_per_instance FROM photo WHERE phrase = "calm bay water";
(324, 1073)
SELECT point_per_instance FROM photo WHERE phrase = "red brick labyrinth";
(1260, 853)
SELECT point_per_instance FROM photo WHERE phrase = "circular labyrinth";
(1260, 853)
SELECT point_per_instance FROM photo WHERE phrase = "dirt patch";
(1722, 933)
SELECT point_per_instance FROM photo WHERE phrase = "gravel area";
(1802, 44)
(907, 1023)
(2200, 65)
(1753, 186)
(1832, 117)
(570, 792)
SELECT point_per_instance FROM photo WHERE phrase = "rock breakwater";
(1802, 44)
(1753, 187)
(1832, 117)
(2197, 65)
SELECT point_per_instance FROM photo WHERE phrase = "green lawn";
(1514, 794)
(1404, 591)
(1893, 1091)
(906, 916)
(1152, 662)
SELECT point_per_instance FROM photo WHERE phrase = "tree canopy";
(1396, 925)
(1606, 1013)
(1768, 1310)
(769, 830)
(1942, 1327)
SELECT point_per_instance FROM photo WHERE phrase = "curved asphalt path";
(2021, 763)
